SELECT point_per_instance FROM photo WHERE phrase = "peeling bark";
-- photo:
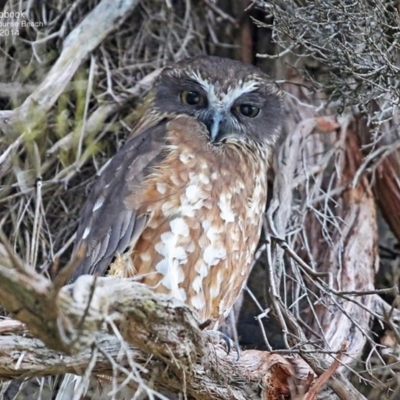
(351, 260)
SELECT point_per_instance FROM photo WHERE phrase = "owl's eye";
(248, 110)
(192, 98)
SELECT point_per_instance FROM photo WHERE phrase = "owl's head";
(234, 100)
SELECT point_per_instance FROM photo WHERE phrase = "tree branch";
(146, 331)
(93, 29)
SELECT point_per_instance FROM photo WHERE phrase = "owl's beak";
(213, 124)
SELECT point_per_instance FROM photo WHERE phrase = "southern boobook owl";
(184, 197)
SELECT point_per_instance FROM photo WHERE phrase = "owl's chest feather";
(204, 224)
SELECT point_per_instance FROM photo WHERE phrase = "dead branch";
(218, 376)
(164, 332)
(101, 21)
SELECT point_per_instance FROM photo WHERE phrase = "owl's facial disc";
(235, 101)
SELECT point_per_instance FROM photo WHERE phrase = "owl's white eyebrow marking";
(226, 98)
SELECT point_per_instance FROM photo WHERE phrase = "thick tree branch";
(149, 332)
(220, 377)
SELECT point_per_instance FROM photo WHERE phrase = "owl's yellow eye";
(248, 110)
(192, 98)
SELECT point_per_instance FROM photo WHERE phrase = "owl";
(180, 205)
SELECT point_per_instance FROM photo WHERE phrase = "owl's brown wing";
(107, 226)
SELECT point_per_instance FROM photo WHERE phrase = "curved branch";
(149, 332)
(85, 37)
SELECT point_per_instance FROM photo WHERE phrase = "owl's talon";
(229, 342)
